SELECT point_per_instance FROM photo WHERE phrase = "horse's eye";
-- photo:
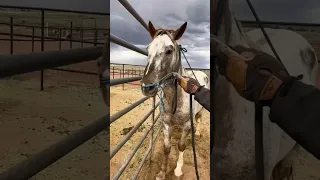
(169, 51)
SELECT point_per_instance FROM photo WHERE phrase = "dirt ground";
(121, 99)
(31, 120)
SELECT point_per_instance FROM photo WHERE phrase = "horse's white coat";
(161, 63)
(157, 47)
(239, 153)
(177, 170)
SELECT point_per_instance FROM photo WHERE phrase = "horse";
(164, 58)
(104, 71)
(234, 153)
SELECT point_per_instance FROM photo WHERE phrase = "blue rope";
(158, 85)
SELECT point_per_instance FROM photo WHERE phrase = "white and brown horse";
(234, 152)
(164, 58)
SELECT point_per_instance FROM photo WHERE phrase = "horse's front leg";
(167, 131)
(198, 119)
(182, 146)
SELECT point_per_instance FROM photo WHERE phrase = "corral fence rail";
(11, 65)
(42, 38)
(23, 63)
(116, 116)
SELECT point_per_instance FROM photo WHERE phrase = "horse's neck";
(236, 37)
(168, 92)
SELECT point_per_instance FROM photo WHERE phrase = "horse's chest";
(180, 118)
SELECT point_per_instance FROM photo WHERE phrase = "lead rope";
(258, 108)
(191, 117)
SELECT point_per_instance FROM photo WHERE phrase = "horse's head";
(103, 71)
(163, 56)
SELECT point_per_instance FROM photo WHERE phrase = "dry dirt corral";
(31, 120)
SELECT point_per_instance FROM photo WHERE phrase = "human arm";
(202, 95)
(297, 113)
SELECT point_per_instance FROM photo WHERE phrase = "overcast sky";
(166, 14)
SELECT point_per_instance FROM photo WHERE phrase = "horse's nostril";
(150, 89)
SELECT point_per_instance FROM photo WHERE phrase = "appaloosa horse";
(164, 58)
(234, 152)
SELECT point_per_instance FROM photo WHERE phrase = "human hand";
(188, 84)
(255, 75)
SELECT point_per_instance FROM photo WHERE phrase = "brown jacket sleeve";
(203, 97)
(297, 113)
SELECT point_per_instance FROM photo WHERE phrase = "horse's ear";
(179, 32)
(152, 30)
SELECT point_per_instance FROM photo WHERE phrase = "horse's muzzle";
(149, 91)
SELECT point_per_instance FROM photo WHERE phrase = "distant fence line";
(282, 25)
(57, 35)
(54, 27)
(34, 37)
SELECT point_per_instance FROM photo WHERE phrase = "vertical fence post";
(113, 72)
(70, 34)
(81, 36)
(60, 36)
(32, 42)
(42, 44)
(152, 125)
(11, 35)
(123, 76)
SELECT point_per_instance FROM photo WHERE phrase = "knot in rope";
(182, 49)
(161, 85)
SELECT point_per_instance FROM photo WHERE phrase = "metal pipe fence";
(11, 65)
(119, 114)
(43, 39)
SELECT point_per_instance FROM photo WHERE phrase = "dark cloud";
(129, 31)
(165, 14)
(198, 11)
(102, 6)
